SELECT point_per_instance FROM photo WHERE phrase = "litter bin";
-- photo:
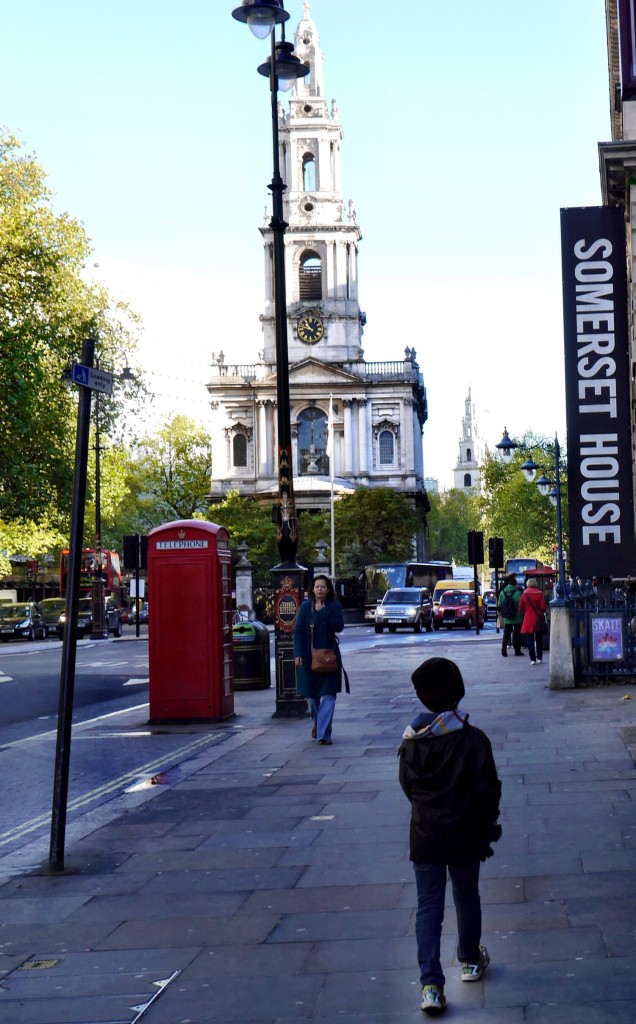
(251, 656)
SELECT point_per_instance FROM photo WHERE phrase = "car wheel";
(417, 628)
(428, 625)
(31, 633)
(436, 626)
(392, 629)
(379, 629)
(117, 631)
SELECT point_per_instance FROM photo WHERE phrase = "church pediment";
(315, 371)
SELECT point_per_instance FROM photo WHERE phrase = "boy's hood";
(428, 724)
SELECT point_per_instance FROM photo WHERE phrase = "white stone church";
(379, 407)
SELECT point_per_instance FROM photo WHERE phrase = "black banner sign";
(597, 386)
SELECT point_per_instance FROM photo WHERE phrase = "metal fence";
(603, 636)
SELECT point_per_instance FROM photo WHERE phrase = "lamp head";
(506, 447)
(544, 484)
(288, 68)
(261, 15)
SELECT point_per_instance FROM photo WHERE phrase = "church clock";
(310, 328)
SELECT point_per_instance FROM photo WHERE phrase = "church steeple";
(467, 472)
(321, 242)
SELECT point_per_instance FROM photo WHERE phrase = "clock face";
(310, 329)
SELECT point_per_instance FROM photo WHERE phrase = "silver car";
(405, 607)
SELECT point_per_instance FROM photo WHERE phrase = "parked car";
(410, 607)
(85, 617)
(458, 608)
(490, 604)
(52, 608)
(23, 620)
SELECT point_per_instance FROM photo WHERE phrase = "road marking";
(150, 768)
(6, 679)
(136, 682)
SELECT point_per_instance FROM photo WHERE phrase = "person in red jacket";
(532, 604)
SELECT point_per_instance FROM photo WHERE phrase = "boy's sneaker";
(433, 999)
(473, 972)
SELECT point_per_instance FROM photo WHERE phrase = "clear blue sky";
(467, 126)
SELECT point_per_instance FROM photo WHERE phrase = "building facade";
(379, 408)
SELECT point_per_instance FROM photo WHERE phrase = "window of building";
(239, 451)
(467, 480)
(312, 443)
(309, 173)
(310, 276)
(469, 455)
(386, 445)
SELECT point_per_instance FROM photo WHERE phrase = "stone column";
(348, 439)
(364, 409)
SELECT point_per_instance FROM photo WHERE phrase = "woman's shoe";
(314, 733)
(325, 743)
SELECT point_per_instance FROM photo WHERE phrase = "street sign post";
(89, 377)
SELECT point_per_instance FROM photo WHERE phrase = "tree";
(516, 510)
(45, 313)
(453, 513)
(249, 523)
(172, 478)
(373, 524)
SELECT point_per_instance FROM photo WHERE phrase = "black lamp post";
(282, 68)
(506, 448)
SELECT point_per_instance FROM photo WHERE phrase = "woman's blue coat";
(328, 621)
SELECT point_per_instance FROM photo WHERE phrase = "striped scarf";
(441, 725)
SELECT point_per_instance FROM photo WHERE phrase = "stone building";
(379, 408)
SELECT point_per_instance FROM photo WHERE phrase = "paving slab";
(269, 879)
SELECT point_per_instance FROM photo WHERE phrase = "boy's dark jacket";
(451, 781)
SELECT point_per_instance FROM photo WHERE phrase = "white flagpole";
(332, 459)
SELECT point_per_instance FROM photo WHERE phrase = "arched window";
(310, 276)
(239, 451)
(309, 173)
(386, 445)
(469, 455)
(467, 480)
(312, 443)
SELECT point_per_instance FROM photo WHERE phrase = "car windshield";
(15, 611)
(402, 597)
(85, 606)
(455, 597)
(53, 604)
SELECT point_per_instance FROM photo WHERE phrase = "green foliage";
(373, 524)
(46, 312)
(515, 509)
(249, 523)
(452, 514)
(173, 476)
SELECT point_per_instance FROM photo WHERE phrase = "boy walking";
(448, 772)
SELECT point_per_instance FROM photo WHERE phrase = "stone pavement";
(267, 879)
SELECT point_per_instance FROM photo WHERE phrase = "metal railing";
(603, 636)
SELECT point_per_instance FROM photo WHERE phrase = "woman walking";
(532, 603)
(319, 619)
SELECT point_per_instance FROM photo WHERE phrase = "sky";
(467, 127)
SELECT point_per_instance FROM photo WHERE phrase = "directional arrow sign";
(89, 377)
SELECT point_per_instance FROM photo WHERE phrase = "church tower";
(321, 242)
(379, 408)
(467, 472)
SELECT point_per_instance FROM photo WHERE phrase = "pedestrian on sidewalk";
(319, 619)
(448, 772)
(508, 605)
(533, 606)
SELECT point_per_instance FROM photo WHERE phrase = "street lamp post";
(282, 68)
(561, 662)
(99, 630)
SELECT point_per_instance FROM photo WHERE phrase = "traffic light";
(475, 547)
(495, 553)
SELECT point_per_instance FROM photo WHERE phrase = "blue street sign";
(89, 377)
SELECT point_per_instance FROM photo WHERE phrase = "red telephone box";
(190, 621)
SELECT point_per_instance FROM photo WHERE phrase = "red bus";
(110, 572)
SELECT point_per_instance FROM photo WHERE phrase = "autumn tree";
(171, 475)
(373, 524)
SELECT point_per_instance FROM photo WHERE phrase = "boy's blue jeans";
(431, 890)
